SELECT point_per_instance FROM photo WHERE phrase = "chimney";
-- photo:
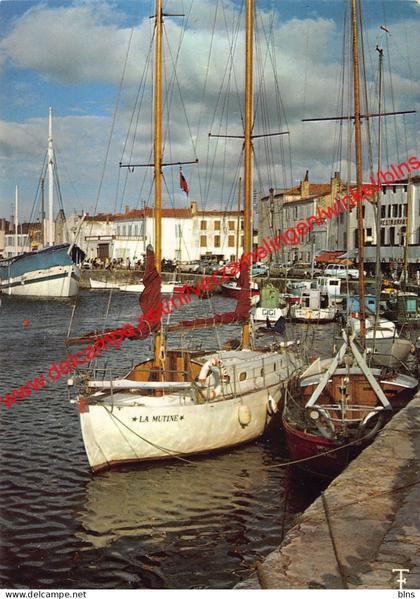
(304, 186)
(193, 208)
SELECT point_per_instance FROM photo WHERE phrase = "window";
(129, 230)
(389, 210)
(363, 211)
(395, 210)
(405, 210)
(203, 241)
(391, 235)
(383, 211)
(203, 225)
(217, 225)
(242, 241)
(217, 241)
(242, 225)
(382, 236)
(231, 225)
(242, 376)
(402, 235)
(295, 212)
(231, 241)
(400, 206)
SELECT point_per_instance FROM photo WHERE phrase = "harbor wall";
(365, 524)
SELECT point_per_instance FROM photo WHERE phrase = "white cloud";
(86, 43)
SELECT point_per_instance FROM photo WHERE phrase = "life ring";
(361, 431)
(216, 367)
(272, 407)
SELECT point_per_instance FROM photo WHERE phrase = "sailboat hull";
(130, 425)
(127, 434)
(51, 272)
(305, 448)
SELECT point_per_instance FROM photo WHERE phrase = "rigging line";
(169, 452)
(64, 167)
(226, 78)
(42, 175)
(365, 93)
(391, 89)
(138, 103)
(280, 109)
(176, 81)
(114, 118)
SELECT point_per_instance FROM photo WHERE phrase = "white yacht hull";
(129, 427)
(316, 316)
(56, 281)
(95, 284)
(389, 351)
(273, 314)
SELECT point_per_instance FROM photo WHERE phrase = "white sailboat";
(53, 271)
(182, 403)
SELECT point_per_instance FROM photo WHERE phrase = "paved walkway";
(374, 509)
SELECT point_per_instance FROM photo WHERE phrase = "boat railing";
(344, 409)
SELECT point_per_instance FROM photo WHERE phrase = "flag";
(183, 182)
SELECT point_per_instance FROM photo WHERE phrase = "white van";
(342, 271)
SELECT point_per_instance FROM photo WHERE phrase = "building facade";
(284, 209)
(187, 234)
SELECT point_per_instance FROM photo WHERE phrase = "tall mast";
(158, 152)
(359, 167)
(16, 221)
(248, 144)
(378, 272)
(50, 236)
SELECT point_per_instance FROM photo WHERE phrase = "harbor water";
(197, 524)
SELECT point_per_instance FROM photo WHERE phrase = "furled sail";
(240, 314)
(151, 297)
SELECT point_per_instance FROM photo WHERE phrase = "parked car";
(259, 269)
(193, 266)
(279, 269)
(303, 270)
(342, 271)
(208, 266)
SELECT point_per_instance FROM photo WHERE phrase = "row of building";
(399, 209)
(193, 234)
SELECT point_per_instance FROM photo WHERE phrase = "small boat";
(330, 286)
(166, 288)
(339, 407)
(51, 272)
(233, 290)
(404, 308)
(313, 307)
(272, 306)
(96, 284)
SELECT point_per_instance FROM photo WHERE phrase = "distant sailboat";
(53, 271)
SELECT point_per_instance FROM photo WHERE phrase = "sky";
(91, 59)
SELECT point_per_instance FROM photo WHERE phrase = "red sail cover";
(150, 297)
(241, 313)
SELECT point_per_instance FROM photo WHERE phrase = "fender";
(361, 431)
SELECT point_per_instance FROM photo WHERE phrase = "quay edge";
(373, 509)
